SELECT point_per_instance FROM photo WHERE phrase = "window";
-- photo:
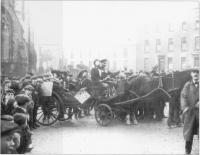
(170, 44)
(184, 26)
(183, 44)
(197, 24)
(196, 60)
(170, 63)
(183, 62)
(146, 46)
(158, 45)
(197, 43)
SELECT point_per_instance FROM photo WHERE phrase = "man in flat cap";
(10, 137)
(190, 109)
(21, 117)
(28, 90)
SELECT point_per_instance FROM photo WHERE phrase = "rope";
(143, 97)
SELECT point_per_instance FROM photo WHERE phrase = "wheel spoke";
(40, 117)
(39, 112)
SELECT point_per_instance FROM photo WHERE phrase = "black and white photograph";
(100, 76)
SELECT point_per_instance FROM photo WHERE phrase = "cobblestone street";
(87, 137)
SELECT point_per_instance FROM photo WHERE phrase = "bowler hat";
(195, 70)
(104, 60)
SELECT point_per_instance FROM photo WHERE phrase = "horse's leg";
(177, 118)
(132, 115)
(170, 120)
(159, 110)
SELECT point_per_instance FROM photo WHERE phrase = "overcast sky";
(93, 23)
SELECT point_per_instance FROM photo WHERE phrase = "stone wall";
(14, 49)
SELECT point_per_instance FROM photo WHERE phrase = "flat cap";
(28, 76)
(10, 91)
(20, 118)
(29, 87)
(34, 77)
(22, 99)
(7, 127)
(7, 81)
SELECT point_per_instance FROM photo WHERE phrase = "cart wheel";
(47, 114)
(103, 114)
(139, 111)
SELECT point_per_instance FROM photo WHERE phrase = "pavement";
(85, 136)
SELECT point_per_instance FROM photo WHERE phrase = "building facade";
(171, 45)
(14, 46)
(120, 56)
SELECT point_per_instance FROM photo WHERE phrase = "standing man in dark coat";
(97, 82)
(190, 108)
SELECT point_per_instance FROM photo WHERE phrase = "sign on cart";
(82, 96)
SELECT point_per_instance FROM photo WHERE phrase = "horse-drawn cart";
(57, 103)
(109, 109)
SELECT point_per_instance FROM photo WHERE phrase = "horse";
(141, 86)
(173, 84)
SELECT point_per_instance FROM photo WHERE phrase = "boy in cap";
(21, 117)
(15, 85)
(7, 104)
(28, 90)
(6, 84)
(10, 137)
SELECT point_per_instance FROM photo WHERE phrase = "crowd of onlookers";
(20, 99)
(19, 102)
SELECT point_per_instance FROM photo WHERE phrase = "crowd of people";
(19, 102)
(21, 97)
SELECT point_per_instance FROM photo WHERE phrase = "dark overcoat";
(189, 99)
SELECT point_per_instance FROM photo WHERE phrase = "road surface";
(85, 136)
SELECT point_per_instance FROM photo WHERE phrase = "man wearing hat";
(7, 103)
(21, 118)
(10, 137)
(28, 90)
(190, 109)
(6, 84)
